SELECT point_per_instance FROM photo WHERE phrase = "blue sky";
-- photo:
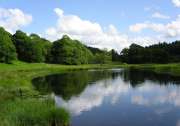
(105, 23)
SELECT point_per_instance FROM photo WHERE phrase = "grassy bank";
(18, 76)
(171, 69)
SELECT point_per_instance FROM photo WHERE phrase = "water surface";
(116, 97)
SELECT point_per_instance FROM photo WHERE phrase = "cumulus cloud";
(176, 3)
(170, 30)
(159, 15)
(13, 19)
(91, 33)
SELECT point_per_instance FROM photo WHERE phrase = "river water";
(115, 97)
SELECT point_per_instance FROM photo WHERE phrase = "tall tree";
(23, 46)
(115, 55)
(68, 51)
(103, 57)
(7, 48)
(41, 49)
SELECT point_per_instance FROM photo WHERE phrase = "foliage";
(23, 46)
(41, 49)
(95, 50)
(158, 53)
(68, 51)
(115, 56)
(7, 49)
(103, 58)
(35, 49)
(31, 48)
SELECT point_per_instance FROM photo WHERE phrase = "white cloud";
(146, 25)
(91, 33)
(159, 15)
(13, 19)
(170, 30)
(176, 3)
(59, 12)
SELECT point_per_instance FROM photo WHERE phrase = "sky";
(111, 24)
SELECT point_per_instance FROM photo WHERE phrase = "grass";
(21, 105)
(171, 69)
(32, 112)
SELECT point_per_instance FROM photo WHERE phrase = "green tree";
(40, 49)
(68, 51)
(124, 55)
(135, 54)
(31, 48)
(7, 48)
(103, 57)
(115, 55)
(23, 46)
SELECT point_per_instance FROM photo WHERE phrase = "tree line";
(34, 49)
(157, 53)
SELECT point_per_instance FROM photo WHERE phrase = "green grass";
(172, 69)
(32, 112)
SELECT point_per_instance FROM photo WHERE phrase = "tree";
(115, 55)
(31, 48)
(7, 49)
(68, 51)
(40, 49)
(124, 55)
(135, 54)
(23, 46)
(157, 53)
(103, 57)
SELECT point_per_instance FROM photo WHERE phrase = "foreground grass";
(32, 112)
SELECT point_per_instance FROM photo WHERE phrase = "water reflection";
(94, 95)
(69, 84)
(114, 96)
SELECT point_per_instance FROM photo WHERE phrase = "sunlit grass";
(32, 112)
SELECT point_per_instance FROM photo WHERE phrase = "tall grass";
(32, 112)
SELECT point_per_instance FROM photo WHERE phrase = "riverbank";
(19, 74)
(20, 104)
(171, 69)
